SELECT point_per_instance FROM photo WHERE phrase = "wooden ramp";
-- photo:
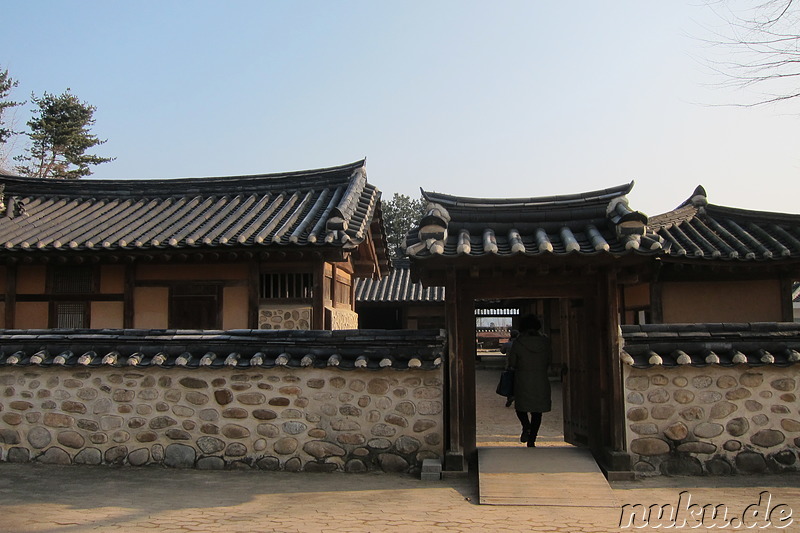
(562, 476)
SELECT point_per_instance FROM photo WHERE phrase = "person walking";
(530, 356)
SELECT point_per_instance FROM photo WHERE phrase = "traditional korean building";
(277, 251)
(188, 322)
(674, 333)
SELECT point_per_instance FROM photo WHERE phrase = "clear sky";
(495, 99)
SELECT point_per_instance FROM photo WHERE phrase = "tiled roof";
(672, 345)
(332, 207)
(699, 230)
(589, 223)
(345, 349)
(600, 222)
(397, 287)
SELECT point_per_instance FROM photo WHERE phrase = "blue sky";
(469, 98)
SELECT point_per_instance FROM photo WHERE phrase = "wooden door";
(575, 371)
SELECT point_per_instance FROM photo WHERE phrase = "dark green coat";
(530, 357)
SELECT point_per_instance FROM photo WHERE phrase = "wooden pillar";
(318, 307)
(11, 296)
(617, 401)
(127, 296)
(253, 288)
(656, 305)
(467, 356)
(454, 459)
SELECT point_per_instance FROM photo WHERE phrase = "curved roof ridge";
(604, 195)
(753, 214)
(162, 187)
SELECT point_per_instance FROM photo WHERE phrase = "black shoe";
(532, 443)
(526, 434)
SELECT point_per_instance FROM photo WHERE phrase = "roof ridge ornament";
(432, 230)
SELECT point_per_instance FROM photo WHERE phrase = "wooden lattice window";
(71, 314)
(287, 285)
(72, 280)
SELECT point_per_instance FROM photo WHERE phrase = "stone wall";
(311, 419)
(713, 419)
(284, 317)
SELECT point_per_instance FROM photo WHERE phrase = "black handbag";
(506, 385)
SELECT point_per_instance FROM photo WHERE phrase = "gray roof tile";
(672, 345)
(397, 287)
(331, 207)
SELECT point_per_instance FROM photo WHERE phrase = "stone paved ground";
(45, 498)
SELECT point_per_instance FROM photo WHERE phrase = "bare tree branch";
(762, 49)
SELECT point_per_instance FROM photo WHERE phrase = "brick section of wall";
(713, 420)
(277, 419)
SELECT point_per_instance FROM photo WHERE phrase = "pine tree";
(6, 129)
(59, 134)
(400, 214)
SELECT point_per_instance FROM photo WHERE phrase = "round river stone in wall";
(71, 439)
(692, 413)
(179, 456)
(89, 456)
(681, 466)
(683, 396)
(649, 446)
(321, 449)
(737, 394)
(139, 457)
(223, 396)
(662, 412)
(392, 463)
(635, 398)
(751, 462)
(697, 447)
(702, 382)
(726, 382)
(659, 379)
(38, 437)
(677, 431)
(761, 420)
(210, 445)
(751, 379)
(658, 396)
(753, 406)
(55, 456)
(286, 446)
(707, 430)
(767, 438)
(709, 396)
(718, 467)
(722, 410)
(784, 384)
(737, 426)
(637, 383)
(789, 424)
(680, 381)
(646, 428)
(637, 414)
(732, 446)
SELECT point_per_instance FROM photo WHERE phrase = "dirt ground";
(497, 425)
